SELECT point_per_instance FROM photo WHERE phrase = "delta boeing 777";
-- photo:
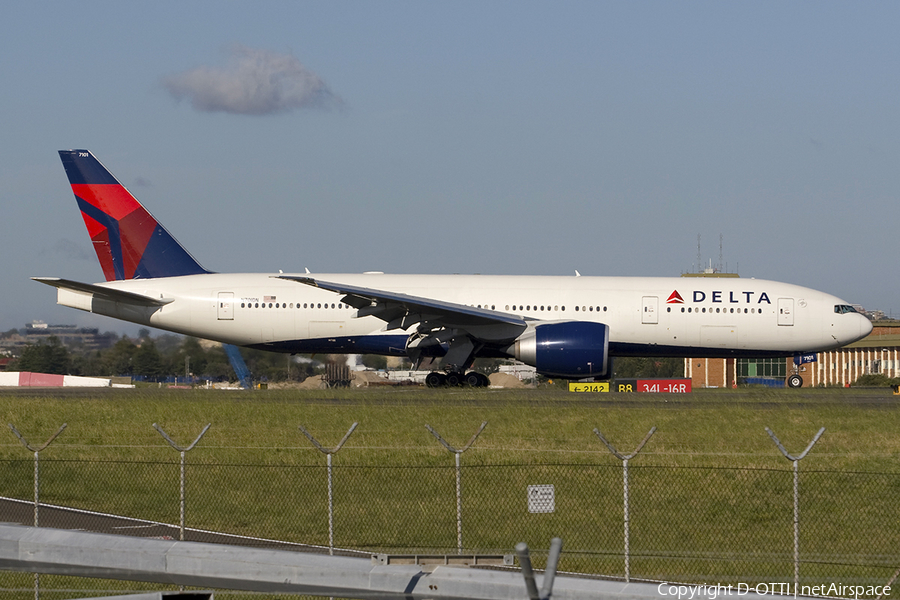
(565, 327)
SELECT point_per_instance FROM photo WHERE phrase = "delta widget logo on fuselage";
(718, 297)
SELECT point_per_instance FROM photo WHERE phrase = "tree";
(648, 367)
(147, 361)
(48, 356)
(118, 359)
(194, 354)
(374, 361)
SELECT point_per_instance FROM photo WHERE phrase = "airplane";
(564, 326)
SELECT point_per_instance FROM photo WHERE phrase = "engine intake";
(569, 349)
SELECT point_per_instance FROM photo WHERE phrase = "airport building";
(72, 336)
(879, 353)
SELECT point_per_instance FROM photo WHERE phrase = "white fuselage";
(646, 316)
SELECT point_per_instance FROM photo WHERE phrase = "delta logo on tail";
(675, 298)
(129, 242)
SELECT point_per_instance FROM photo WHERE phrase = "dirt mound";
(312, 383)
(366, 378)
(505, 380)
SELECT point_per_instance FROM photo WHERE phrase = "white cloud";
(254, 82)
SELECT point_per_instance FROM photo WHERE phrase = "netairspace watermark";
(712, 592)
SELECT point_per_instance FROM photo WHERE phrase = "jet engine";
(569, 349)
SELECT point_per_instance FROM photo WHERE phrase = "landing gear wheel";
(473, 379)
(794, 381)
(435, 379)
(455, 379)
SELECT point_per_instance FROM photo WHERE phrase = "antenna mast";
(699, 256)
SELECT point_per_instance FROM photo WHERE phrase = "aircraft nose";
(865, 327)
(847, 331)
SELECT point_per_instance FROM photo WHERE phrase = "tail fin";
(129, 242)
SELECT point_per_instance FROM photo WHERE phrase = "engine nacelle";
(571, 349)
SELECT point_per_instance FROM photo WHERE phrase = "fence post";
(36, 450)
(182, 451)
(546, 591)
(328, 453)
(458, 477)
(796, 460)
(625, 458)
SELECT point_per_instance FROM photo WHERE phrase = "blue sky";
(466, 137)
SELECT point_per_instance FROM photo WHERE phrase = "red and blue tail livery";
(129, 242)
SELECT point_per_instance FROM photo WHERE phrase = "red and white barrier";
(28, 379)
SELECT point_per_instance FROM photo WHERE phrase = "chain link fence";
(724, 525)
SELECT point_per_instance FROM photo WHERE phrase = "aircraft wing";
(103, 292)
(402, 310)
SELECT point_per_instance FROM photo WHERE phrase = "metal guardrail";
(433, 560)
(157, 596)
(57, 551)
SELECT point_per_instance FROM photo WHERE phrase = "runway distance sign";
(658, 386)
(593, 386)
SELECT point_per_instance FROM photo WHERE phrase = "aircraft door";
(226, 306)
(649, 308)
(785, 311)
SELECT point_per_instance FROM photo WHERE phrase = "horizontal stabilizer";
(99, 291)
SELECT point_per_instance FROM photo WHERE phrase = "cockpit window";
(843, 309)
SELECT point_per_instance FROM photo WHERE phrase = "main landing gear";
(456, 379)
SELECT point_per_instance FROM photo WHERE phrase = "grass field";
(711, 495)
